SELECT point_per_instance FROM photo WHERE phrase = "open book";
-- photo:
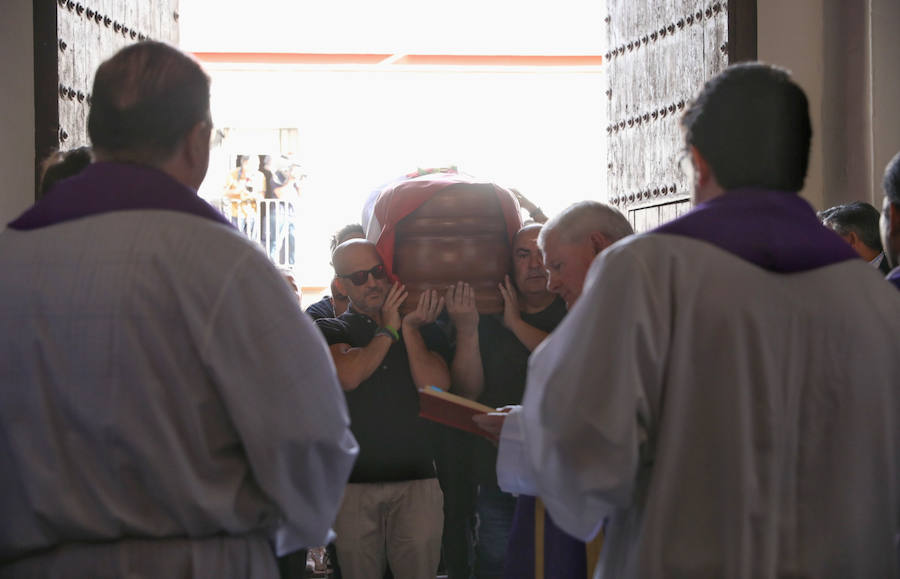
(452, 410)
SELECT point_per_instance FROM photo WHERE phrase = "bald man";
(392, 510)
(337, 303)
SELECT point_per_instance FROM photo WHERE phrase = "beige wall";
(17, 102)
(844, 53)
(885, 48)
(790, 35)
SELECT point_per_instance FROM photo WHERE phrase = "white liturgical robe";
(727, 420)
(166, 409)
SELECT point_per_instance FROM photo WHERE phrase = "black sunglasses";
(362, 276)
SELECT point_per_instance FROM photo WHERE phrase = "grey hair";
(578, 221)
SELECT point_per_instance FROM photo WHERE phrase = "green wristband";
(388, 331)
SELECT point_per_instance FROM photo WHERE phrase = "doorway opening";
(368, 93)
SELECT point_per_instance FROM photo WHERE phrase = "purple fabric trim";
(893, 276)
(565, 557)
(520, 547)
(776, 230)
(106, 187)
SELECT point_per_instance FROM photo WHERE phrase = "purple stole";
(776, 230)
(106, 187)
(558, 555)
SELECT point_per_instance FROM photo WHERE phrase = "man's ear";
(339, 285)
(894, 217)
(853, 239)
(599, 242)
(702, 170)
(197, 144)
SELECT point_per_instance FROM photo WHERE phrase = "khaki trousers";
(396, 523)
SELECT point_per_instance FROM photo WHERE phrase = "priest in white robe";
(725, 391)
(166, 409)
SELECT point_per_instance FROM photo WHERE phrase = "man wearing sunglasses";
(392, 512)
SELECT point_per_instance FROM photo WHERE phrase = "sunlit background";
(353, 125)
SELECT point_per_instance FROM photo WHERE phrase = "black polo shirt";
(505, 362)
(394, 444)
(321, 309)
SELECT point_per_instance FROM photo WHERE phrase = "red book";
(452, 410)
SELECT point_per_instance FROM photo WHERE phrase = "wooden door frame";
(742, 30)
(46, 85)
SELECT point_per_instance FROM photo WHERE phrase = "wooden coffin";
(458, 234)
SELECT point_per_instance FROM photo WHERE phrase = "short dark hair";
(891, 181)
(346, 232)
(751, 124)
(62, 165)
(858, 217)
(146, 98)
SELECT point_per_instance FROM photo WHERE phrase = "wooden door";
(72, 38)
(660, 55)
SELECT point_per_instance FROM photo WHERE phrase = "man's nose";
(535, 262)
(552, 282)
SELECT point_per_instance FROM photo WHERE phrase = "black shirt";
(505, 363)
(883, 266)
(394, 443)
(321, 309)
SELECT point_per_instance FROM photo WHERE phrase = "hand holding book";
(492, 422)
(456, 411)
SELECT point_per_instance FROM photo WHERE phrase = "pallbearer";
(391, 514)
